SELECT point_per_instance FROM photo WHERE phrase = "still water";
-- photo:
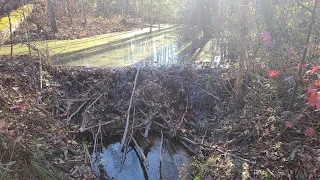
(175, 161)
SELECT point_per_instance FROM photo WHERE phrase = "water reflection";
(175, 161)
(157, 49)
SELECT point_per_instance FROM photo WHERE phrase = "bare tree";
(243, 53)
(69, 11)
(84, 12)
(151, 16)
(52, 17)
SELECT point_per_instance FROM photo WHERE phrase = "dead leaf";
(18, 139)
(2, 124)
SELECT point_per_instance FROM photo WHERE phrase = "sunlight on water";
(160, 48)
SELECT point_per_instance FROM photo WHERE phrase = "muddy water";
(175, 161)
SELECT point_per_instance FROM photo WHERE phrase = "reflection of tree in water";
(134, 166)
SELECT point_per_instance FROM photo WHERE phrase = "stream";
(165, 46)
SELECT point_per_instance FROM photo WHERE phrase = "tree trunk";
(69, 11)
(11, 43)
(243, 53)
(127, 8)
(84, 12)
(151, 16)
(141, 13)
(52, 17)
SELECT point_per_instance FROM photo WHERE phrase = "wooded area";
(235, 83)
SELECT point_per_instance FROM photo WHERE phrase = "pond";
(175, 162)
(166, 46)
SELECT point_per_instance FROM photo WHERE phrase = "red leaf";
(310, 88)
(21, 107)
(266, 36)
(314, 69)
(312, 92)
(288, 124)
(11, 133)
(2, 124)
(303, 65)
(17, 108)
(310, 132)
(267, 131)
(273, 73)
(316, 83)
(313, 100)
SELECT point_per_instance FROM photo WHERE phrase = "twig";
(124, 154)
(124, 137)
(96, 139)
(210, 94)
(215, 148)
(141, 153)
(133, 119)
(184, 114)
(71, 116)
(103, 124)
(304, 56)
(188, 147)
(7, 168)
(162, 126)
(11, 42)
(94, 101)
(161, 151)
(87, 154)
(304, 6)
(165, 120)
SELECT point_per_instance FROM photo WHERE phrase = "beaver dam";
(173, 104)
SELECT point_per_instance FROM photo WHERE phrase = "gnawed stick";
(161, 154)
(148, 122)
(124, 137)
(141, 153)
(102, 124)
(85, 114)
(165, 120)
(210, 94)
(216, 149)
(73, 114)
(162, 126)
(94, 101)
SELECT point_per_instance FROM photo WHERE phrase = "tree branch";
(304, 6)
(124, 137)
(303, 59)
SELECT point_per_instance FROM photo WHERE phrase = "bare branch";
(304, 6)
